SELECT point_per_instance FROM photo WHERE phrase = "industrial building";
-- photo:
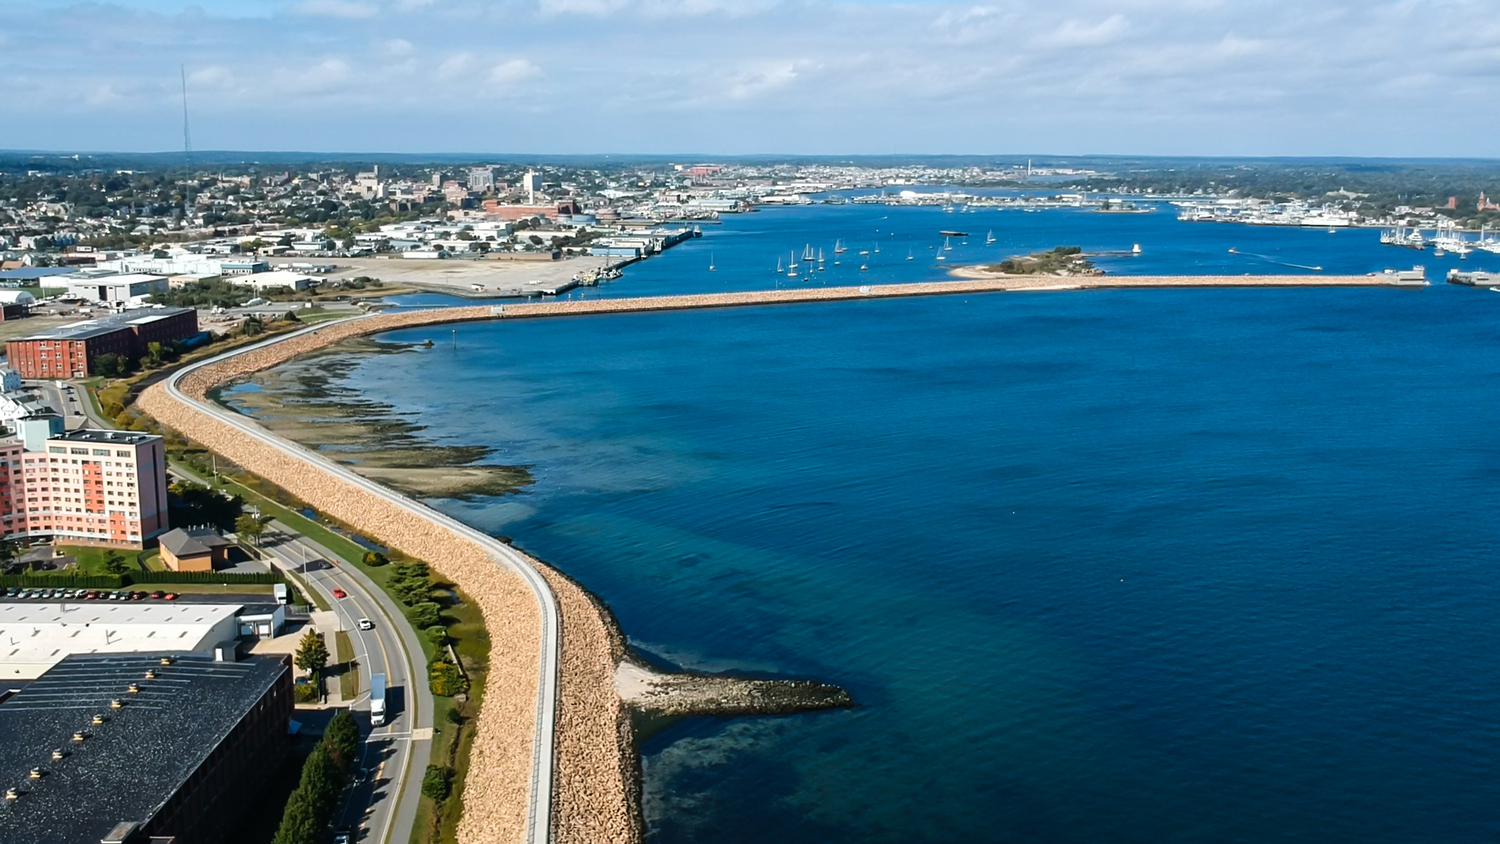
(272, 279)
(113, 289)
(70, 351)
(36, 636)
(83, 487)
(127, 748)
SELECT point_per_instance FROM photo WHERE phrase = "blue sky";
(1202, 77)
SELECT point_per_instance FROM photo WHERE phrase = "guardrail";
(539, 809)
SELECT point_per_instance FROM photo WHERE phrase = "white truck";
(377, 700)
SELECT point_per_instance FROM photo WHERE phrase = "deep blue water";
(1125, 566)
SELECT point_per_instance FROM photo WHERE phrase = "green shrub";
(375, 559)
(445, 679)
(307, 693)
(437, 634)
(424, 615)
(437, 782)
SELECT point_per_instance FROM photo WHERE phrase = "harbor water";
(1173, 565)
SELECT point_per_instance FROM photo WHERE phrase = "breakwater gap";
(554, 755)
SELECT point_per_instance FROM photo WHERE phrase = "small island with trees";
(1058, 261)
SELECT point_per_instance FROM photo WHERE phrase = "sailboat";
(947, 247)
(909, 256)
(1136, 249)
(838, 247)
(989, 238)
(877, 247)
(793, 265)
(820, 254)
(710, 262)
(807, 253)
(779, 270)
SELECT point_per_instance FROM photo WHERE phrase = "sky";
(1130, 77)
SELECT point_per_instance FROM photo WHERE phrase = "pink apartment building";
(84, 487)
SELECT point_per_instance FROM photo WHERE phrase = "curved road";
(539, 808)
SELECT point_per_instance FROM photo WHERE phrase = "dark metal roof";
(129, 766)
(107, 324)
(108, 437)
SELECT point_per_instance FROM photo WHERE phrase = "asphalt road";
(539, 798)
(382, 808)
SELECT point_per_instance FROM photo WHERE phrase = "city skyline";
(1272, 78)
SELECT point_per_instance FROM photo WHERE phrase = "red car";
(339, 593)
(170, 596)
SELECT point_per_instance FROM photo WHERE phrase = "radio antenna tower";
(187, 139)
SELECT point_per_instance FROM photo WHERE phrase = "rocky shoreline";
(690, 693)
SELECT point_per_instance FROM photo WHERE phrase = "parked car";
(157, 595)
(91, 595)
(12, 592)
(170, 596)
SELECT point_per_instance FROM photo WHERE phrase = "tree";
(249, 527)
(424, 615)
(342, 736)
(411, 583)
(110, 365)
(195, 504)
(312, 654)
(299, 823)
(114, 562)
(155, 355)
(252, 326)
(375, 559)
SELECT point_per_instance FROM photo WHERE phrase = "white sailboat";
(947, 247)
(877, 247)
(807, 253)
(779, 270)
(838, 247)
(710, 262)
(820, 254)
(909, 256)
(989, 238)
(1136, 249)
(791, 270)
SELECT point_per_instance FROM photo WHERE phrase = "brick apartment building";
(69, 351)
(84, 487)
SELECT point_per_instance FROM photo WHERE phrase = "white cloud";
(397, 47)
(1077, 33)
(759, 81)
(455, 66)
(513, 71)
(344, 9)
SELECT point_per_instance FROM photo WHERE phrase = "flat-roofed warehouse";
(127, 747)
(35, 636)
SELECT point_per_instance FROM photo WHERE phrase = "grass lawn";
(348, 669)
(91, 559)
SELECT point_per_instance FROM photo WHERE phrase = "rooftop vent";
(98, 719)
(78, 737)
(12, 794)
(166, 660)
(134, 688)
(36, 773)
(116, 703)
(150, 674)
(58, 754)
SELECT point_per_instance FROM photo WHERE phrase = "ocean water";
(1125, 566)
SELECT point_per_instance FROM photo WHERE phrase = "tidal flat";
(303, 400)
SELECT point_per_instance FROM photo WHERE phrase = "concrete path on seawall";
(539, 799)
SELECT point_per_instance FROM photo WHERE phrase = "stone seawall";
(594, 792)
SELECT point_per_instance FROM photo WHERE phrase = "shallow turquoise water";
(1136, 566)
